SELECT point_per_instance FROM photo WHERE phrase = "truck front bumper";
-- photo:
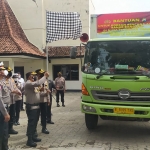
(116, 110)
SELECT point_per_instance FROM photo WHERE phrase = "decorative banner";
(62, 26)
(123, 25)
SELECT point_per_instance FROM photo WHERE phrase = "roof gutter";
(25, 54)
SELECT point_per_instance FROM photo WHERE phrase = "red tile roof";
(12, 38)
(63, 51)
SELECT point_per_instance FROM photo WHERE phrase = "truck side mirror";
(73, 52)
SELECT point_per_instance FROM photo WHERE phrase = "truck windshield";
(117, 57)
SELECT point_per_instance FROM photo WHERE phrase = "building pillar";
(11, 64)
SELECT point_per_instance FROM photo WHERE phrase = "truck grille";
(113, 96)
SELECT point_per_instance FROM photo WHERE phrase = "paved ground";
(69, 132)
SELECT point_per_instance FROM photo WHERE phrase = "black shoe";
(35, 139)
(35, 134)
(31, 144)
(63, 105)
(22, 109)
(58, 105)
(50, 122)
(12, 131)
(45, 131)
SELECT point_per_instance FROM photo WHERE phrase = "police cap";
(39, 71)
(1, 64)
(33, 73)
(2, 68)
(8, 69)
(30, 73)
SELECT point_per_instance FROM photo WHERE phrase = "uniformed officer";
(49, 112)
(60, 86)
(32, 106)
(14, 90)
(1, 64)
(4, 115)
(17, 99)
(44, 100)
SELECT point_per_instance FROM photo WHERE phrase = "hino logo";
(124, 94)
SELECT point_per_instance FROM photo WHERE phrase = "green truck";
(116, 79)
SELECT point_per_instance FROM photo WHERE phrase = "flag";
(62, 26)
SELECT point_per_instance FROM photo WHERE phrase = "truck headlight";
(88, 108)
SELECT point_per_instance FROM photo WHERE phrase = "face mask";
(5, 72)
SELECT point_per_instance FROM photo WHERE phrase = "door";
(56, 69)
(19, 69)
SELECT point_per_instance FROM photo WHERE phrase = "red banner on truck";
(124, 25)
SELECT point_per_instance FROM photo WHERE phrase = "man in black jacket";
(49, 113)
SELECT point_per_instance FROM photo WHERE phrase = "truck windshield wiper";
(98, 76)
(122, 73)
(105, 72)
(124, 77)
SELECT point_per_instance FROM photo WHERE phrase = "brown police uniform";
(44, 100)
(32, 108)
(4, 104)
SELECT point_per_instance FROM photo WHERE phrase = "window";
(69, 72)
(130, 57)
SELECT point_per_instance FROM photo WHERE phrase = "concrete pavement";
(70, 133)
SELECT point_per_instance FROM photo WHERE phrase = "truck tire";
(91, 121)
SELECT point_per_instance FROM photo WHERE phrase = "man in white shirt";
(21, 80)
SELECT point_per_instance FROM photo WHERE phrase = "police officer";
(60, 86)
(14, 90)
(32, 105)
(44, 100)
(4, 115)
(49, 112)
(17, 99)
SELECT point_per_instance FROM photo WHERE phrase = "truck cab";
(116, 80)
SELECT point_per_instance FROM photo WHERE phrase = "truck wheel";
(91, 121)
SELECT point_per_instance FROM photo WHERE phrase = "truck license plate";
(123, 110)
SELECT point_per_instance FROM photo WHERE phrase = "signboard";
(123, 25)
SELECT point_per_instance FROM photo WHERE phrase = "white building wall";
(28, 63)
(72, 85)
(80, 6)
(32, 65)
(91, 11)
(93, 31)
(32, 18)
